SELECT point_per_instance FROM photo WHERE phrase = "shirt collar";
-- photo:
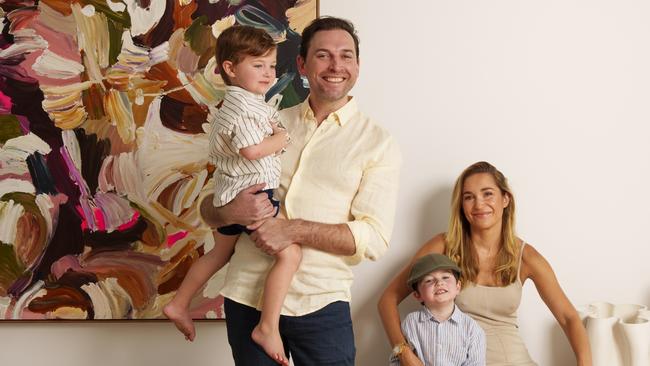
(341, 116)
(426, 315)
(246, 93)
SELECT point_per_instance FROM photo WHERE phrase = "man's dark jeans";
(324, 337)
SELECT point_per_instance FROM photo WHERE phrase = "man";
(339, 190)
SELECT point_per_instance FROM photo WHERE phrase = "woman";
(495, 264)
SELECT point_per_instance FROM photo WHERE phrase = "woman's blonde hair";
(458, 239)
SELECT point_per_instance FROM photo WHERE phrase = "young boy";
(440, 334)
(245, 141)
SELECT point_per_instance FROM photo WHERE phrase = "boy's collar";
(237, 89)
(427, 315)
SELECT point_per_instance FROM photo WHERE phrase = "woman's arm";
(539, 270)
(397, 291)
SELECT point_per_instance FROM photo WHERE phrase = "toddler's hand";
(279, 130)
(285, 140)
(277, 127)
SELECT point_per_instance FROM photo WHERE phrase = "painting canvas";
(103, 148)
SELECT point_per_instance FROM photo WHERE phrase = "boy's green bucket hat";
(429, 263)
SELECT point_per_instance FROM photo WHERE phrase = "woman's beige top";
(495, 310)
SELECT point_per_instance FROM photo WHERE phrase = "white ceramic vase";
(619, 334)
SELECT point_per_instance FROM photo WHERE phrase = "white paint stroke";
(116, 6)
(222, 24)
(118, 298)
(72, 145)
(136, 59)
(56, 67)
(10, 213)
(28, 144)
(144, 19)
(165, 156)
(88, 10)
(25, 41)
(26, 297)
(49, 208)
(101, 305)
(10, 185)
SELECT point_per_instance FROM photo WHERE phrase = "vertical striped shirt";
(457, 341)
(243, 120)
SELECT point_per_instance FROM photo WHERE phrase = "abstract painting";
(103, 148)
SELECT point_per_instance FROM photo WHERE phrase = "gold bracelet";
(400, 348)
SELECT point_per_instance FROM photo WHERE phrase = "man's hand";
(273, 235)
(247, 207)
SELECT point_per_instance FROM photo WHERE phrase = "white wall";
(555, 93)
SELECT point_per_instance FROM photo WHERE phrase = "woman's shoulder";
(435, 245)
(532, 261)
(530, 253)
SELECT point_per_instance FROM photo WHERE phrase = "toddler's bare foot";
(271, 342)
(181, 319)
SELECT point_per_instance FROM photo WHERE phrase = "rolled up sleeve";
(373, 207)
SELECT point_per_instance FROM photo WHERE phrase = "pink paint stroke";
(173, 238)
(5, 102)
(129, 224)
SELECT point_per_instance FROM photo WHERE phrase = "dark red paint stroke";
(62, 296)
(76, 279)
(182, 117)
(215, 11)
(160, 33)
(67, 240)
(26, 99)
(118, 239)
(277, 8)
(93, 151)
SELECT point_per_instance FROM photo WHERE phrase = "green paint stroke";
(199, 35)
(9, 127)
(115, 30)
(289, 97)
(122, 17)
(10, 267)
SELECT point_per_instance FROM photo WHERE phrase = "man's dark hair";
(323, 24)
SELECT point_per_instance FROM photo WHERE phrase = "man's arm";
(365, 236)
(275, 234)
